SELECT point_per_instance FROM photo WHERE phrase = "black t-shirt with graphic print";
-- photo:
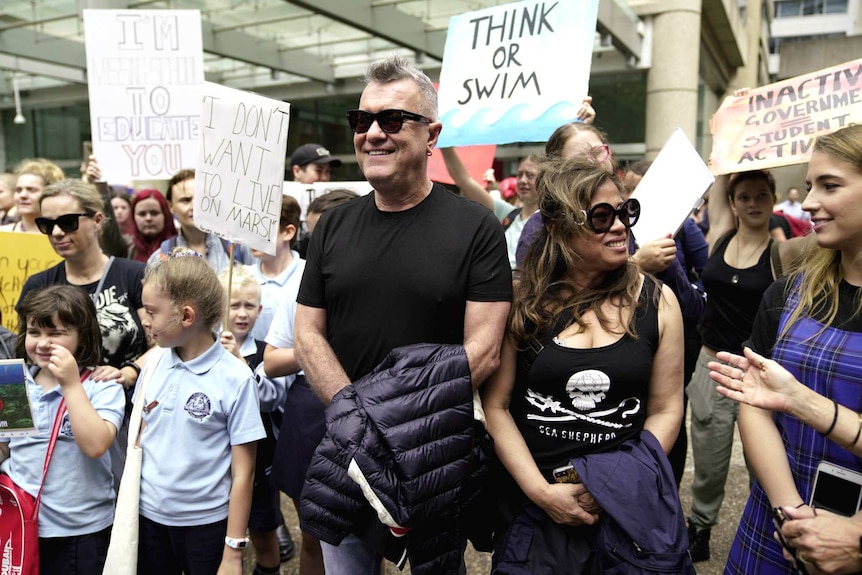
(116, 307)
(574, 402)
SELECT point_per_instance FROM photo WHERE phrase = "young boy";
(265, 517)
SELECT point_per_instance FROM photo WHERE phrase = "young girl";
(57, 325)
(200, 425)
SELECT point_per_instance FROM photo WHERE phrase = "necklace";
(744, 265)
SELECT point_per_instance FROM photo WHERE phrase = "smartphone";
(566, 474)
(836, 489)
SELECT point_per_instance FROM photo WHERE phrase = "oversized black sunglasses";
(67, 222)
(390, 121)
(602, 216)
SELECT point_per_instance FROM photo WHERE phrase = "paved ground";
(722, 534)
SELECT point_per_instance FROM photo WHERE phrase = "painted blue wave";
(509, 128)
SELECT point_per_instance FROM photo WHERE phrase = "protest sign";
(243, 142)
(669, 191)
(501, 79)
(776, 125)
(144, 71)
(21, 255)
(477, 160)
(306, 193)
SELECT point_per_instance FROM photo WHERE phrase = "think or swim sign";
(514, 73)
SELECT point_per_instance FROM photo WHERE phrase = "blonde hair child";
(200, 427)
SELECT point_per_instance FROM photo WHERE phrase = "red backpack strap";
(55, 433)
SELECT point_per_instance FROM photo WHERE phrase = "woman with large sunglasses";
(591, 367)
(72, 217)
(742, 264)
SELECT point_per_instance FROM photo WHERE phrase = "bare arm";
(242, 480)
(484, 325)
(664, 404)
(558, 500)
(279, 361)
(721, 217)
(767, 385)
(315, 355)
(766, 454)
(471, 189)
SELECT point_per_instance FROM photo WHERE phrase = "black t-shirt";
(116, 307)
(388, 279)
(764, 334)
(575, 401)
(731, 305)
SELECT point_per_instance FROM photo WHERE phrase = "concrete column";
(672, 81)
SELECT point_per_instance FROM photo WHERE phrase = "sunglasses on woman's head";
(390, 121)
(68, 223)
(601, 217)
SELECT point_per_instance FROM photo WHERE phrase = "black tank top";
(573, 402)
(733, 297)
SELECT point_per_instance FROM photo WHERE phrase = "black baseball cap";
(313, 154)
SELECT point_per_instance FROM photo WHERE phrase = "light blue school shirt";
(216, 255)
(281, 331)
(78, 497)
(205, 406)
(272, 292)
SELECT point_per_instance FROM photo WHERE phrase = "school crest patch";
(198, 406)
(66, 427)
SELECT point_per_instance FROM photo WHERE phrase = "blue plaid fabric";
(830, 363)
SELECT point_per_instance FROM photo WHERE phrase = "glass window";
(790, 9)
(836, 7)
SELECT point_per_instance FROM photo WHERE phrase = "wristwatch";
(236, 543)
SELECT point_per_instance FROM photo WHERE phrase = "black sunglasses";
(390, 121)
(68, 223)
(602, 216)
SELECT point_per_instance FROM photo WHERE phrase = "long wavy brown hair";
(548, 279)
(821, 273)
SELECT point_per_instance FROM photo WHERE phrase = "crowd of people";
(414, 369)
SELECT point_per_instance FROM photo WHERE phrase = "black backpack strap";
(510, 218)
(775, 259)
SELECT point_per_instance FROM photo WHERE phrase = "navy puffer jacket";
(407, 433)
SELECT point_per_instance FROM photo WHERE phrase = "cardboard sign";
(306, 193)
(21, 255)
(514, 73)
(144, 71)
(669, 191)
(238, 182)
(477, 160)
(776, 125)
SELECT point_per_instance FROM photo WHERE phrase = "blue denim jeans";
(351, 557)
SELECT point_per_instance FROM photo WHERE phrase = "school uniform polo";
(196, 411)
(272, 292)
(280, 333)
(78, 497)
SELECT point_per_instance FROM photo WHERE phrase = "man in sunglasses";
(406, 264)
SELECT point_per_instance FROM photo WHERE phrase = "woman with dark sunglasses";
(591, 367)
(72, 217)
